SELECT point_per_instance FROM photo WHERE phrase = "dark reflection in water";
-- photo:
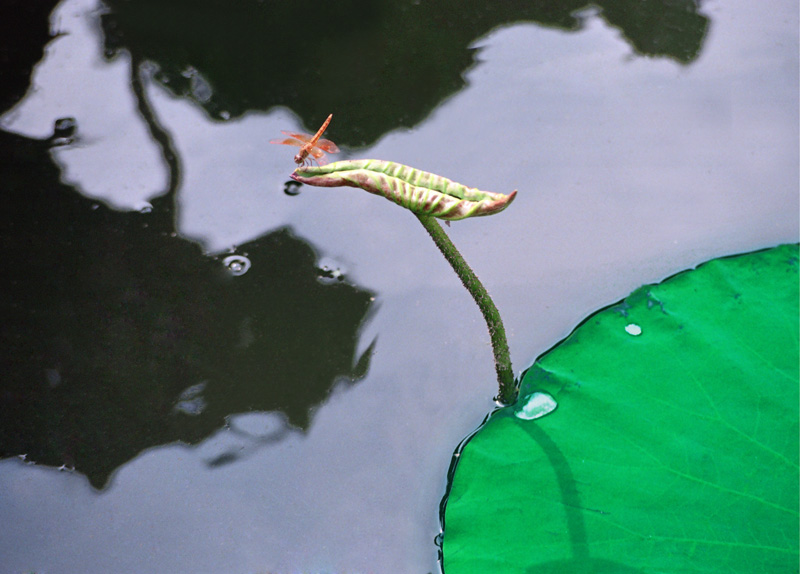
(117, 335)
(376, 65)
(24, 30)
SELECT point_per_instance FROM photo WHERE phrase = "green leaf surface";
(674, 445)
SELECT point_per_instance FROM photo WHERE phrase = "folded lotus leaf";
(422, 192)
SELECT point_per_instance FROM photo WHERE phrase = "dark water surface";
(233, 379)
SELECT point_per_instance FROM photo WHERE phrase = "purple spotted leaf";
(422, 192)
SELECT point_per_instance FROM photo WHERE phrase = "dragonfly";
(310, 145)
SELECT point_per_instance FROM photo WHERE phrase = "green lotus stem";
(429, 195)
(502, 357)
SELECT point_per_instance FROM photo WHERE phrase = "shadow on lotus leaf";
(590, 566)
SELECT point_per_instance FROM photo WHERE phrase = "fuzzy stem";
(502, 357)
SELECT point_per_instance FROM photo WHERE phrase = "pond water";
(298, 412)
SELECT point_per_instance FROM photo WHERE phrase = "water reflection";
(378, 66)
(23, 37)
(110, 153)
(375, 461)
(118, 335)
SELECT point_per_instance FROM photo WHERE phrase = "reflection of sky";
(629, 169)
(75, 81)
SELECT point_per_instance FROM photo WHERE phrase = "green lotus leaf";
(422, 192)
(673, 447)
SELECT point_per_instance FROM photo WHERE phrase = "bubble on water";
(330, 271)
(144, 207)
(65, 127)
(537, 405)
(326, 272)
(225, 115)
(63, 131)
(236, 264)
(439, 539)
(292, 187)
(257, 424)
(633, 329)
(53, 377)
(191, 401)
(199, 87)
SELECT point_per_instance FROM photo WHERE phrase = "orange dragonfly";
(310, 145)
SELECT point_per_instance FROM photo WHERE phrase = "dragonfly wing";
(301, 137)
(288, 141)
(328, 146)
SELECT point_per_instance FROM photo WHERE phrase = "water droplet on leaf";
(537, 405)
(633, 329)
